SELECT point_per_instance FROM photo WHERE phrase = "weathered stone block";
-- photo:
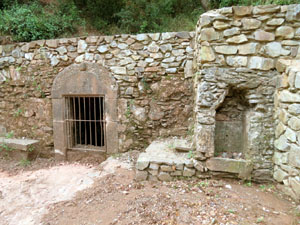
(247, 49)
(141, 175)
(167, 168)
(294, 109)
(242, 10)
(176, 173)
(280, 158)
(250, 24)
(232, 31)
(119, 70)
(209, 34)
(207, 54)
(241, 167)
(82, 46)
(102, 48)
(281, 143)
(261, 9)
(274, 49)
(261, 35)
(142, 163)
(261, 63)
(226, 49)
(295, 185)
(290, 135)
(164, 176)
(236, 61)
(52, 43)
(279, 175)
(285, 32)
(297, 80)
(239, 39)
(154, 166)
(286, 96)
(220, 25)
(294, 123)
(275, 22)
(188, 172)
(294, 156)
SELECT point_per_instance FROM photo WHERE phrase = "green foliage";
(32, 21)
(24, 162)
(5, 147)
(139, 16)
(9, 134)
(99, 13)
(191, 154)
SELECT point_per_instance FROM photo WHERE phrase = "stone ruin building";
(221, 101)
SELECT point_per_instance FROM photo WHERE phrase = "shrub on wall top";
(30, 22)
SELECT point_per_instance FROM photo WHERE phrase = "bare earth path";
(84, 194)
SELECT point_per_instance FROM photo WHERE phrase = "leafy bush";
(32, 21)
(155, 16)
(99, 13)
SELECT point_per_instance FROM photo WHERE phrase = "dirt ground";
(80, 193)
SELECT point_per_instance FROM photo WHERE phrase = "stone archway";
(84, 81)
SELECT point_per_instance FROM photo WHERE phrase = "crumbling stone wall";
(153, 73)
(287, 144)
(237, 48)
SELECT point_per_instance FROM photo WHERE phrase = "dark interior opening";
(86, 123)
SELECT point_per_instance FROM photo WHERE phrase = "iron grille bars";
(85, 123)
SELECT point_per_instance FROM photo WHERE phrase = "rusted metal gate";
(85, 123)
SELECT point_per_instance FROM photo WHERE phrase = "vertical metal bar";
(79, 119)
(95, 121)
(90, 123)
(100, 121)
(104, 122)
(85, 133)
(75, 121)
(66, 119)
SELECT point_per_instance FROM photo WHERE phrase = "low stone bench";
(170, 158)
(17, 148)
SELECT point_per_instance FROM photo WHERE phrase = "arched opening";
(84, 100)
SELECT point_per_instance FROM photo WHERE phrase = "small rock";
(237, 39)
(82, 45)
(261, 35)
(141, 175)
(164, 176)
(285, 32)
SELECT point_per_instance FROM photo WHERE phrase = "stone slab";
(163, 152)
(19, 144)
(239, 166)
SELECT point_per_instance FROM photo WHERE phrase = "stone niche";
(84, 98)
(230, 130)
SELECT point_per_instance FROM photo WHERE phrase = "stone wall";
(153, 73)
(287, 144)
(237, 48)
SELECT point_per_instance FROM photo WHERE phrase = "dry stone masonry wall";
(287, 144)
(152, 71)
(227, 72)
(237, 49)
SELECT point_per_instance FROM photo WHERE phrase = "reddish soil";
(116, 198)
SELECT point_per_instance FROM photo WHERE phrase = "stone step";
(16, 148)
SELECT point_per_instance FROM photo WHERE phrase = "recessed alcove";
(230, 130)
